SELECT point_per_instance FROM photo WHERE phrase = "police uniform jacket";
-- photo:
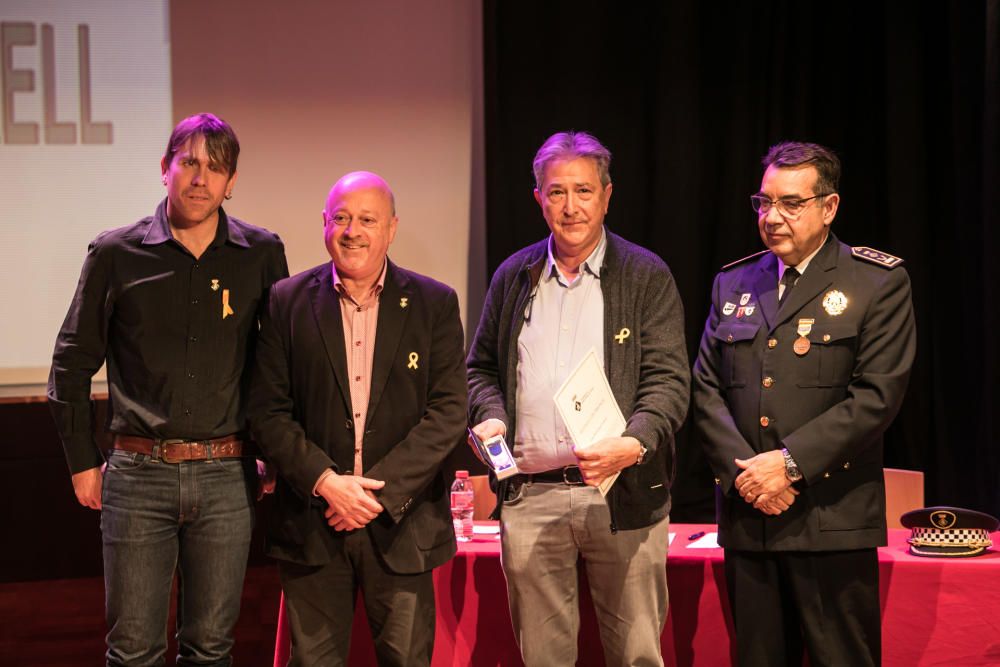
(829, 406)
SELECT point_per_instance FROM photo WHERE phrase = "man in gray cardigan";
(548, 305)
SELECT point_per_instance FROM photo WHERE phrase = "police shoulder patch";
(745, 259)
(874, 256)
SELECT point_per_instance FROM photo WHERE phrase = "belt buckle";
(162, 444)
(577, 481)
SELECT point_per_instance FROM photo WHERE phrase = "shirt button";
(187, 413)
(194, 302)
(767, 382)
(194, 339)
(348, 425)
(359, 309)
(357, 378)
(357, 415)
(764, 421)
(358, 344)
(729, 338)
(191, 375)
(772, 343)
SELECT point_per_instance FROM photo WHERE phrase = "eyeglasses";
(790, 208)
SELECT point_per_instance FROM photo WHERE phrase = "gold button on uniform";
(826, 475)
(826, 338)
(764, 421)
(847, 466)
(729, 338)
(772, 343)
(767, 382)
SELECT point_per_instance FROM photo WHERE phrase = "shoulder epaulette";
(874, 256)
(740, 261)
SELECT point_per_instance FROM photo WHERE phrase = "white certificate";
(588, 407)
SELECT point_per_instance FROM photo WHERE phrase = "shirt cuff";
(326, 473)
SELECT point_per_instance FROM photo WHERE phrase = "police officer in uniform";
(802, 366)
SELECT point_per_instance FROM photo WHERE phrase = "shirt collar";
(591, 265)
(159, 229)
(801, 266)
(338, 284)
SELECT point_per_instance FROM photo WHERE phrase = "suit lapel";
(392, 315)
(765, 286)
(326, 308)
(813, 281)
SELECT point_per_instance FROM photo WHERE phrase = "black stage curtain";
(688, 95)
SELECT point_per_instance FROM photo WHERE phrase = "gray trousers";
(546, 528)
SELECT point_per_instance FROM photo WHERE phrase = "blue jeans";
(194, 518)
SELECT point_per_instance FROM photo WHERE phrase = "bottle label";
(461, 500)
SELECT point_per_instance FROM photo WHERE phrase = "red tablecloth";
(935, 611)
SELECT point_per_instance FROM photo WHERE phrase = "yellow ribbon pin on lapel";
(414, 357)
(403, 302)
(226, 310)
(622, 335)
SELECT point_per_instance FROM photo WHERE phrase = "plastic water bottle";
(462, 505)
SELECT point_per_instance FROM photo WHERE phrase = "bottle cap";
(462, 474)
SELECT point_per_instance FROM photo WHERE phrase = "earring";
(229, 195)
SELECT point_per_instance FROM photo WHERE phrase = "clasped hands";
(350, 500)
(764, 484)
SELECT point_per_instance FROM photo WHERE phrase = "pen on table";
(695, 536)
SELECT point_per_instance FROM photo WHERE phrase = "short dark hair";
(570, 146)
(220, 141)
(791, 154)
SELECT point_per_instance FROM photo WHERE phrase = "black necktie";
(790, 277)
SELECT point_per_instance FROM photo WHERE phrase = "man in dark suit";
(358, 396)
(802, 367)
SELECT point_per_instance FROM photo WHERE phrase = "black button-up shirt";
(177, 332)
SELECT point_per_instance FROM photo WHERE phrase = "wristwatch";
(642, 454)
(792, 471)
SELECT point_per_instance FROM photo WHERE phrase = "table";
(935, 611)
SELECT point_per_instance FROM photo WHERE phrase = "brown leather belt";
(178, 450)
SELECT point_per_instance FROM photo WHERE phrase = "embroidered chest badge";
(834, 302)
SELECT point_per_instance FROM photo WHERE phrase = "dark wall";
(689, 95)
(47, 534)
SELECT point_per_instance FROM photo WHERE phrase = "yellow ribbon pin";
(226, 310)
(414, 357)
(403, 302)
(622, 335)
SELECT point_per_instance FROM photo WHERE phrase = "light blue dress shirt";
(563, 321)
